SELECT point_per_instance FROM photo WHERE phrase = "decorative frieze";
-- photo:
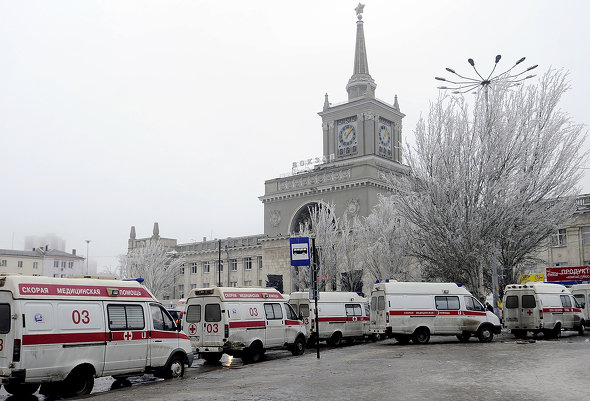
(314, 179)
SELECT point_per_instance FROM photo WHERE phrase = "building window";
(3, 262)
(234, 264)
(180, 291)
(56, 263)
(248, 263)
(260, 262)
(35, 265)
(248, 283)
(193, 286)
(71, 265)
(233, 283)
(586, 235)
(206, 285)
(206, 268)
(63, 263)
(559, 238)
(182, 269)
(260, 283)
(19, 263)
(193, 267)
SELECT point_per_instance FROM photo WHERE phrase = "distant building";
(570, 245)
(42, 262)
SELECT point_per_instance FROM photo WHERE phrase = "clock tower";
(364, 125)
(361, 148)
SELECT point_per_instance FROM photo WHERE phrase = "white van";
(63, 332)
(342, 315)
(408, 310)
(582, 294)
(243, 322)
(541, 307)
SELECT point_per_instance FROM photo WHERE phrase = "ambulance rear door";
(7, 332)
(529, 316)
(379, 313)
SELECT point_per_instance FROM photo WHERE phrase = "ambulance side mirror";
(583, 305)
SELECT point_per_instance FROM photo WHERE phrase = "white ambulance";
(243, 322)
(342, 315)
(582, 294)
(541, 307)
(64, 332)
(408, 310)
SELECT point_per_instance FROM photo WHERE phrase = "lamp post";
(466, 84)
(87, 247)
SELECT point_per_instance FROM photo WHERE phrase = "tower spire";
(360, 84)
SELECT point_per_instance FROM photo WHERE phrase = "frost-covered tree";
(489, 183)
(325, 229)
(154, 264)
(382, 243)
(349, 265)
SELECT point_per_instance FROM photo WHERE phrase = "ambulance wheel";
(581, 328)
(254, 353)
(298, 347)
(464, 336)
(485, 334)
(175, 368)
(212, 357)
(79, 382)
(335, 340)
(21, 388)
(421, 335)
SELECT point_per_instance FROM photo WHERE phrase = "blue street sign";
(299, 251)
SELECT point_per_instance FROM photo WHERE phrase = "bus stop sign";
(299, 251)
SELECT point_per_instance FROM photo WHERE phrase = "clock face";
(385, 137)
(347, 136)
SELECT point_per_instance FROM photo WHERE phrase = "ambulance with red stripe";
(342, 315)
(415, 311)
(541, 308)
(61, 333)
(242, 322)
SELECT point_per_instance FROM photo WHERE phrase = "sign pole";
(315, 269)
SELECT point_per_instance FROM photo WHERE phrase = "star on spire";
(359, 10)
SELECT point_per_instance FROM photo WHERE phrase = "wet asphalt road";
(445, 369)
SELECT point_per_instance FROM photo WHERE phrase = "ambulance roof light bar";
(138, 279)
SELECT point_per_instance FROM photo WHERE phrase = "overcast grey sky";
(120, 113)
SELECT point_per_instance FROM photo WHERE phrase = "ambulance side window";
(565, 301)
(447, 303)
(212, 313)
(304, 310)
(511, 302)
(290, 312)
(161, 319)
(125, 317)
(353, 310)
(273, 311)
(580, 299)
(381, 303)
(469, 303)
(374, 303)
(193, 314)
(528, 301)
(477, 306)
(4, 318)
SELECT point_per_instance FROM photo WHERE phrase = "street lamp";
(87, 247)
(466, 84)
